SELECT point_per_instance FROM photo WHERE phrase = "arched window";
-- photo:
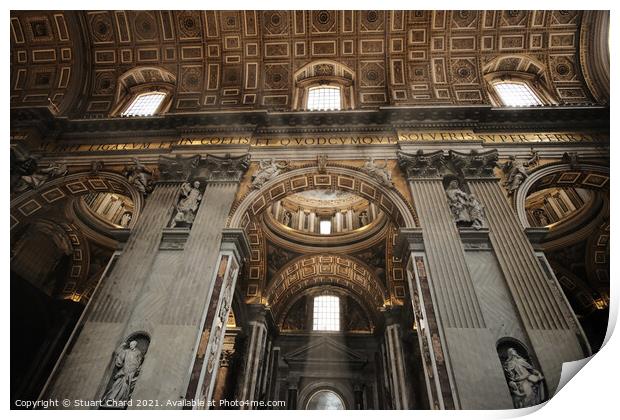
(144, 104)
(325, 98)
(326, 313)
(517, 80)
(144, 91)
(324, 85)
(325, 399)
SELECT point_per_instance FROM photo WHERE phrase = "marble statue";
(380, 173)
(189, 200)
(269, 169)
(525, 382)
(126, 219)
(541, 217)
(39, 177)
(128, 360)
(363, 218)
(286, 218)
(464, 207)
(516, 170)
(139, 176)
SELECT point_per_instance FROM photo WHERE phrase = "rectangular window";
(144, 105)
(326, 98)
(516, 94)
(326, 315)
(325, 227)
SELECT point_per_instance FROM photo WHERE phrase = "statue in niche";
(286, 218)
(516, 170)
(126, 219)
(465, 208)
(40, 176)
(525, 382)
(128, 360)
(139, 176)
(189, 200)
(541, 217)
(269, 169)
(380, 173)
(363, 218)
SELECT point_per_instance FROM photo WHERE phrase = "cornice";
(476, 118)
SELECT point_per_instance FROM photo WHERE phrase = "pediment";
(324, 350)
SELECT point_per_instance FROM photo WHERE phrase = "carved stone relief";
(269, 169)
(516, 170)
(378, 172)
(139, 176)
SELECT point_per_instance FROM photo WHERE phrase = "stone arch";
(588, 176)
(309, 271)
(246, 211)
(314, 387)
(33, 203)
(339, 177)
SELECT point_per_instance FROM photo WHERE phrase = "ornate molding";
(421, 165)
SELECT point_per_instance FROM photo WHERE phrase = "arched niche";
(124, 370)
(57, 192)
(587, 176)
(526, 383)
(43, 255)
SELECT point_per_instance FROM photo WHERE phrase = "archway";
(319, 275)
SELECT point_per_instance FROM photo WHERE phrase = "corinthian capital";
(474, 164)
(421, 165)
(177, 168)
(224, 169)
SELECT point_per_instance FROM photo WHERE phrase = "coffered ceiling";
(249, 59)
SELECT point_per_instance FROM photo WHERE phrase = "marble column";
(395, 359)
(249, 384)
